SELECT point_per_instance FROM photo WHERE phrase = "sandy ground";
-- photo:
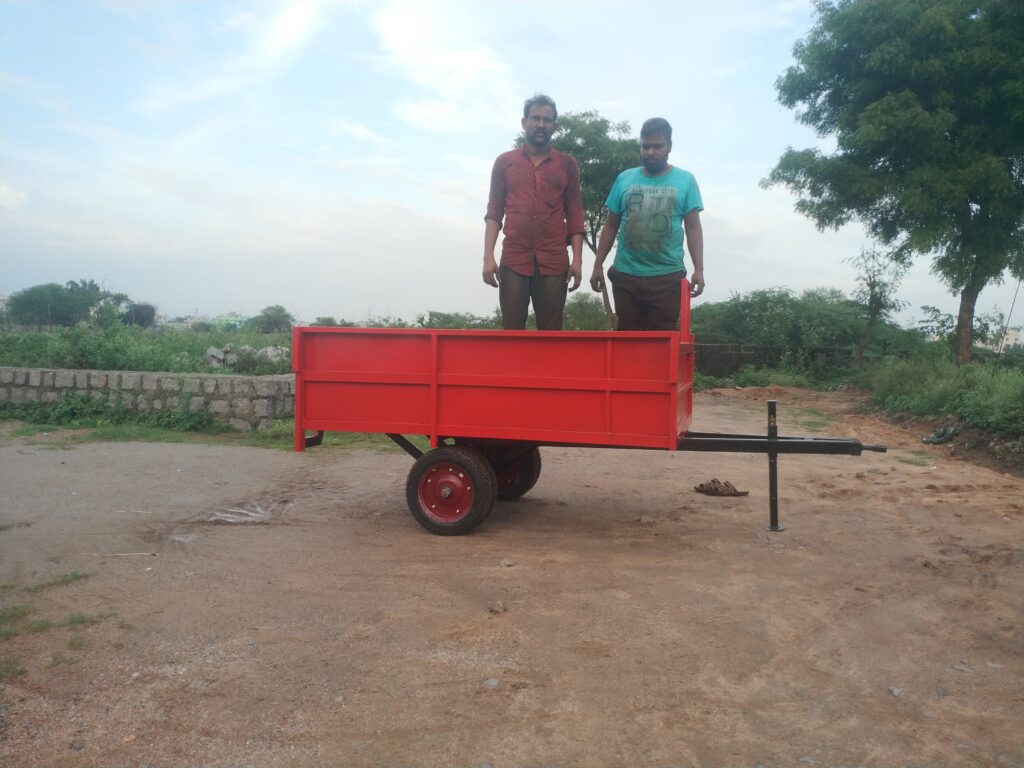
(612, 617)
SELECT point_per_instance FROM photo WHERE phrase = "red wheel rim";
(446, 493)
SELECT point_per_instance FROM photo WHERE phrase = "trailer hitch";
(773, 444)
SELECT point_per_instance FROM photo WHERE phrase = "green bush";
(78, 410)
(984, 395)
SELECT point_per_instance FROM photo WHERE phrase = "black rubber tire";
(451, 490)
(516, 479)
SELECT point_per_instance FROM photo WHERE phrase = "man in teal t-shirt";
(650, 208)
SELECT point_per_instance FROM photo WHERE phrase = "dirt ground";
(254, 607)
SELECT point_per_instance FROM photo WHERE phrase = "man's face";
(654, 151)
(539, 125)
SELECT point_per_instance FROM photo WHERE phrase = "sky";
(334, 156)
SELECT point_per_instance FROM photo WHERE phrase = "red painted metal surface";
(600, 388)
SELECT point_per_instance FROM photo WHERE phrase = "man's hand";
(697, 283)
(597, 279)
(575, 276)
(490, 270)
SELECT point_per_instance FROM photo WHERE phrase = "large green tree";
(603, 150)
(272, 319)
(55, 304)
(925, 102)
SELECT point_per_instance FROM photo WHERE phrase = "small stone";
(78, 744)
(645, 520)
(894, 691)
(962, 667)
(339, 699)
(942, 693)
(491, 682)
(993, 665)
(506, 563)
(498, 607)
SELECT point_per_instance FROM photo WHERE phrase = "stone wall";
(244, 402)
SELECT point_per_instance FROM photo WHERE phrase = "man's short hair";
(539, 100)
(657, 125)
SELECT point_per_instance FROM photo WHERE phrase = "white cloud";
(273, 43)
(239, 21)
(437, 47)
(10, 198)
(361, 132)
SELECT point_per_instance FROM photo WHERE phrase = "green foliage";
(80, 410)
(272, 319)
(603, 150)
(985, 396)
(748, 376)
(584, 312)
(458, 320)
(132, 348)
(924, 99)
(140, 314)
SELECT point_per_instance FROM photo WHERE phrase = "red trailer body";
(599, 388)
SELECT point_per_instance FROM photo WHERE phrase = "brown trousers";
(647, 303)
(515, 292)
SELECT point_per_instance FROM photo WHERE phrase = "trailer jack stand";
(773, 445)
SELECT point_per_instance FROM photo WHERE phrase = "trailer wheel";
(451, 490)
(518, 477)
(515, 477)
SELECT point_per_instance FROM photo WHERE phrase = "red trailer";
(488, 399)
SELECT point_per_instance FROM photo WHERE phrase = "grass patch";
(77, 643)
(39, 625)
(78, 410)
(814, 420)
(12, 526)
(60, 581)
(126, 626)
(80, 620)
(9, 618)
(59, 659)
(915, 458)
(9, 668)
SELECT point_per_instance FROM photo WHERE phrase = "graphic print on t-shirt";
(649, 213)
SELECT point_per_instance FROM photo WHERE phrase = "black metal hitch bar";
(773, 445)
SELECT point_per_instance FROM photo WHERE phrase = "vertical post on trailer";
(773, 470)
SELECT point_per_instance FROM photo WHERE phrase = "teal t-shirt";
(652, 208)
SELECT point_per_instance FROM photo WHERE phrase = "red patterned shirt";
(542, 209)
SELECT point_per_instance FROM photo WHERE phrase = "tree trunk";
(965, 320)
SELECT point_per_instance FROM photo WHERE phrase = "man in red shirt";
(535, 190)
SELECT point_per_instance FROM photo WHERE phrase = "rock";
(78, 744)
(506, 563)
(962, 667)
(942, 693)
(646, 520)
(894, 691)
(491, 682)
(498, 607)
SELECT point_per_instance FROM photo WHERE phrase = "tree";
(139, 314)
(272, 319)
(878, 278)
(55, 304)
(603, 150)
(925, 100)
(584, 312)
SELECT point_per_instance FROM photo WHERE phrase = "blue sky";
(334, 157)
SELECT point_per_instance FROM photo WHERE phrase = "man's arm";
(575, 276)
(491, 230)
(574, 222)
(695, 243)
(604, 246)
